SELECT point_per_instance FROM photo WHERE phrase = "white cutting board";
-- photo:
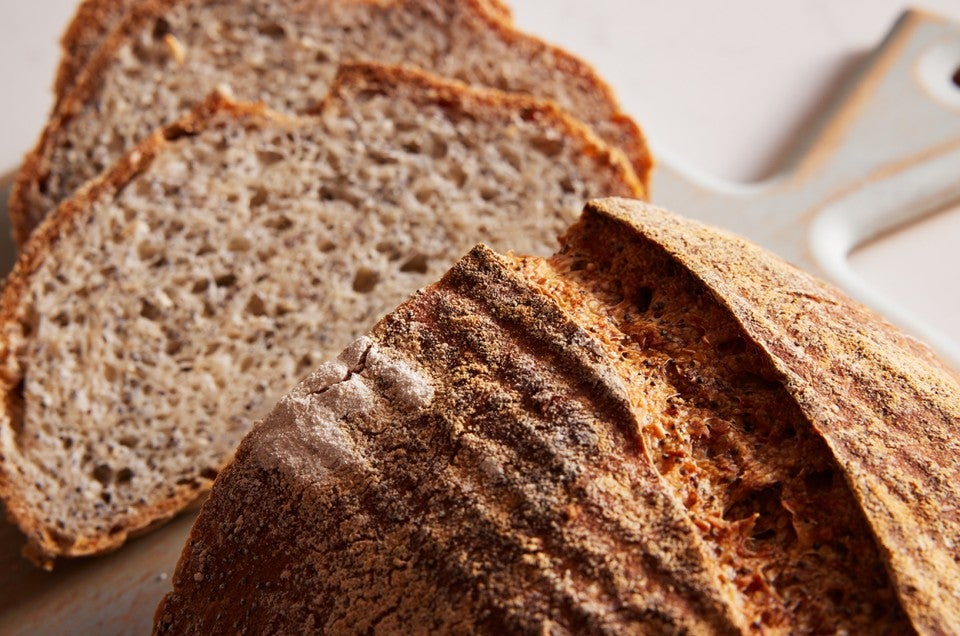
(883, 150)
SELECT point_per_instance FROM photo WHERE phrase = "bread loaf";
(169, 303)
(660, 429)
(166, 55)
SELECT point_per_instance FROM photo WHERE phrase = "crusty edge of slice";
(42, 547)
(33, 171)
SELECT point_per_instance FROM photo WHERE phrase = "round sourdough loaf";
(660, 429)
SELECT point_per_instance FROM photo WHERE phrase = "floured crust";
(415, 85)
(887, 407)
(30, 186)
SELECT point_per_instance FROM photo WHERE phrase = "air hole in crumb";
(150, 311)
(29, 320)
(200, 286)
(62, 319)
(365, 280)
(209, 473)
(227, 280)
(246, 364)
(305, 362)
(124, 475)
(103, 474)
(390, 249)
(269, 157)
(67, 442)
(272, 30)
(438, 149)
(110, 373)
(547, 146)
(147, 250)
(457, 175)
(418, 263)
(174, 346)
(567, 185)
(643, 298)
(160, 28)
(238, 244)
(488, 193)
(259, 197)
(256, 306)
(326, 245)
(204, 249)
(280, 222)
(424, 195)
(129, 441)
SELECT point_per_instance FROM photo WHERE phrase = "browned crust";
(419, 85)
(91, 24)
(33, 173)
(887, 408)
(640, 569)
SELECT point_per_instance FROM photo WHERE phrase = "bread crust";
(887, 407)
(485, 354)
(29, 186)
(43, 544)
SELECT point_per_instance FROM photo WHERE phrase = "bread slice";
(661, 429)
(164, 307)
(167, 55)
(95, 19)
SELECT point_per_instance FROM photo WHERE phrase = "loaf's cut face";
(168, 54)
(168, 305)
(599, 442)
